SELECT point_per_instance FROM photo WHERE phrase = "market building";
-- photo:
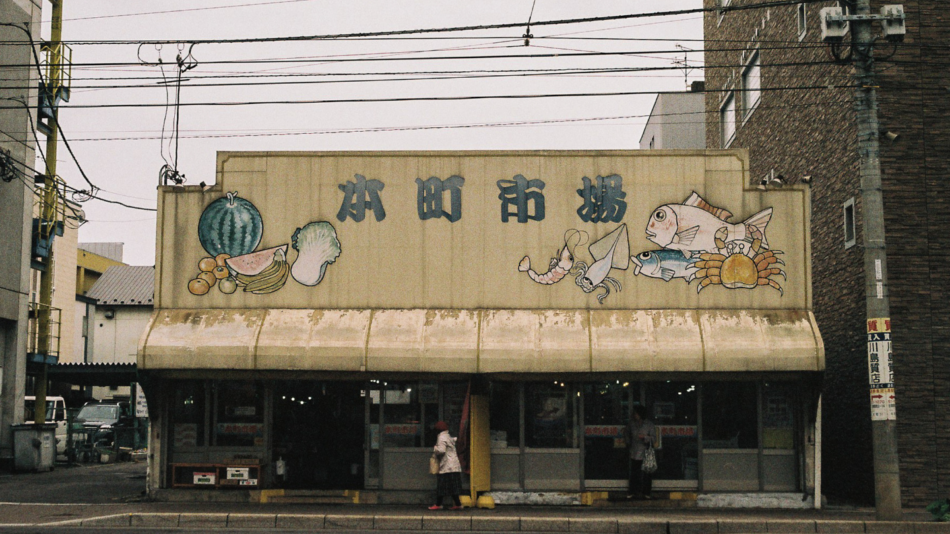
(317, 313)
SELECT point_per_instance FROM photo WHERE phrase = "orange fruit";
(221, 272)
(208, 277)
(207, 265)
(198, 286)
(219, 259)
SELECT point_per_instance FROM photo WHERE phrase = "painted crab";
(739, 266)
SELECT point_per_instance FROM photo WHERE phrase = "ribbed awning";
(483, 341)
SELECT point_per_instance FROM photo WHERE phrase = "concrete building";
(778, 95)
(16, 208)
(123, 305)
(677, 121)
(317, 313)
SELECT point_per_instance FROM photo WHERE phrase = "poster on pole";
(880, 372)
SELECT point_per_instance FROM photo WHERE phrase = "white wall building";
(123, 297)
(677, 121)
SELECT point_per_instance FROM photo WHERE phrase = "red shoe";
(435, 507)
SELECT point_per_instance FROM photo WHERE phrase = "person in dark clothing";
(640, 434)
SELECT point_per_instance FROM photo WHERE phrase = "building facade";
(123, 298)
(677, 121)
(317, 313)
(16, 209)
(780, 95)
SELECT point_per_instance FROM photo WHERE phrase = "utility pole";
(49, 209)
(887, 487)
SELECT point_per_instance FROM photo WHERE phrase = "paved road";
(82, 484)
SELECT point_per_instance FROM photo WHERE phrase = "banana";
(262, 282)
(275, 284)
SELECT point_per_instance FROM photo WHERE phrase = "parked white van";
(55, 413)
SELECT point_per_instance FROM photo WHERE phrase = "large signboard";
(483, 230)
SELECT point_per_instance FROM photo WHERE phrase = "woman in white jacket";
(449, 479)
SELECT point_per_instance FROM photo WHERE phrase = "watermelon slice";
(255, 262)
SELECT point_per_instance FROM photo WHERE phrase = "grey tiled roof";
(125, 285)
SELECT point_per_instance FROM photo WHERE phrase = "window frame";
(730, 100)
(850, 226)
(754, 63)
(802, 15)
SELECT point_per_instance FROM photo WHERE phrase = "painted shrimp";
(559, 267)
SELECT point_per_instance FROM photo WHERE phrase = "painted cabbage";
(318, 247)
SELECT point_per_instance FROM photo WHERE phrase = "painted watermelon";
(252, 264)
(230, 225)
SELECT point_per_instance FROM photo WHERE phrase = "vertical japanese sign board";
(880, 372)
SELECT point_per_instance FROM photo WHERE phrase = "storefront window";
(188, 415)
(505, 416)
(730, 415)
(778, 417)
(239, 417)
(673, 408)
(402, 421)
(549, 415)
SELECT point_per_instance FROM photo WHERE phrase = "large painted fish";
(696, 226)
(665, 264)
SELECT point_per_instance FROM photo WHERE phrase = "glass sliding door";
(606, 414)
(674, 409)
(730, 436)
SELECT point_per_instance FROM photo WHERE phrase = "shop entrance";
(319, 434)
(674, 409)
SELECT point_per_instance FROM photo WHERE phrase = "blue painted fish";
(665, 264)
(696, 226)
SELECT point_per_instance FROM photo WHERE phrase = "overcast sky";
(128, 169)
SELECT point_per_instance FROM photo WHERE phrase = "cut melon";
(255, 262)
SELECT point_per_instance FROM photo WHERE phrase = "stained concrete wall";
(473, 263)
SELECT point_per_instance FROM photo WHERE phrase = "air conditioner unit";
(893, 23)
(833, 25)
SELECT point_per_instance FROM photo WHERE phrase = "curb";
(467, 523)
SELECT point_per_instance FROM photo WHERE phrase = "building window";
(505, 414)
(802, 22)
(730, 415)
(727, 121)
(751, 85)
(850, 237)
(239, 414)
(549, 415)
(188, 415)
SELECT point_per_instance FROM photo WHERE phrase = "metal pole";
(48, 211)
(887, 490)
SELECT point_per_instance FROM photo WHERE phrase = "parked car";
(104, 414)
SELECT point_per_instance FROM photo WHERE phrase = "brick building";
(773, 88)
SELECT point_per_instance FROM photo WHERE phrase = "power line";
(435, 98)
(382, 129)
(181, 10)
(335, 60)
(718, 9)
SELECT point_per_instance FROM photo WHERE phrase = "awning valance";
(483, 341)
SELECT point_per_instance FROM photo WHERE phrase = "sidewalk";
(109, 496)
